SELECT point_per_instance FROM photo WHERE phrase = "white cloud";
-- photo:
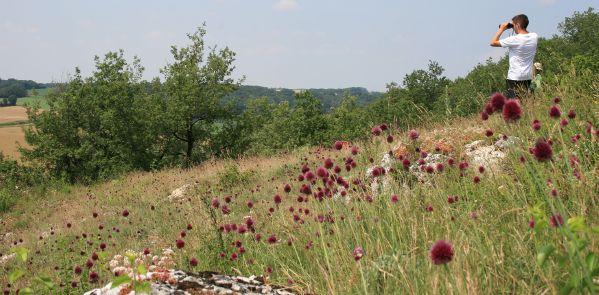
(285, 5)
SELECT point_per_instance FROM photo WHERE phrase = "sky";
(279, 43)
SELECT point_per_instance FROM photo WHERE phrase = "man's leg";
(522, 88)
(510, 88)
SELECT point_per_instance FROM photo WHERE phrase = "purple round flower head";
(354, 150)
(394, 199)
(384, 127)
(484, 116)
(489, 108)
(497, 101)
(125, 213)
(554, 112)
(542, 150)
(358, 253)
(287, 188)
(193, 262)
(322, 172)
(557, 99)
(77, 269)
(93, 277)
(572, 114)
(531, 223)
(489, 133)
(180, 244)
(277, 199)
(310, 176)
(413, 134)
(338, 145)
(441, 252)
(272, 239)
(512, 111)
(536, 125)
(328, 163)
(376, 130)
(556, 220)
(390, 139)
(440, 167)
(215, 203)
(564, 122)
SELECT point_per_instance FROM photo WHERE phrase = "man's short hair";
(521, 19)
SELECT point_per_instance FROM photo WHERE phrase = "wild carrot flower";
(512, 111)
(542, 150)
(441, 252)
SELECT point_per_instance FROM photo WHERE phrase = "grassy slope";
(494, 248)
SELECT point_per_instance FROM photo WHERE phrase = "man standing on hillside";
(522, 49)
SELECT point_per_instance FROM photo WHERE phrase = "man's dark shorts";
(517, 87)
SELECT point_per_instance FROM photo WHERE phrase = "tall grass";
(496, 250)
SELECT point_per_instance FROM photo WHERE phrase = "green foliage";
(93, 129)
(232, 176)
(195, 83)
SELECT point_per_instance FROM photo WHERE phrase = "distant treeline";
(330, 98)
(11, 89)
(112, 121)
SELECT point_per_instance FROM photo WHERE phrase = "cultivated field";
(12, 120)
(12, 114)
(10, 138)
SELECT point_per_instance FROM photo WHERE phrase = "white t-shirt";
(522, 49)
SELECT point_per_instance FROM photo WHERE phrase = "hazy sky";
(279, 43)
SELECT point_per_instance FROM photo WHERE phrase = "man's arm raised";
(495, 40)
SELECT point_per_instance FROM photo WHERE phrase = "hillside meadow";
(311, 219)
